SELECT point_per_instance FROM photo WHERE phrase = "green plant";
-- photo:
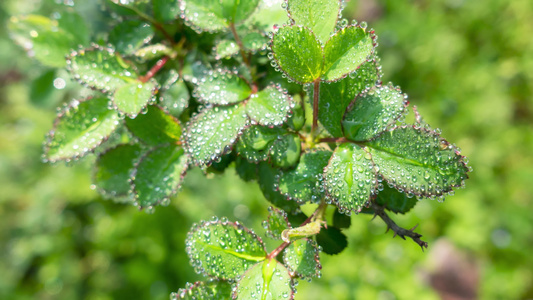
(175, 85)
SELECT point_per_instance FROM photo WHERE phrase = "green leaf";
(80, 128)
(268, 280)
(254, 41)
(267, 183)
(373, 112)
(320, 16)
(101, 68)
(226, 48)
(213, 15)
(301, 258)
(247, 171)
(341, 220)
(42, 88)
(331, 240)
(395, 201)
(155, 127)
(345, 52)
(129, 36)
(211, 290)
(174, 95)
(418, 161)
(269, 13)
(297, 120)
(269, 107)
(113, 171)
(158, 175)
(350, 178)
(298, 53)
(213, 131)
(49, 40)
(220, 165)
(166, 10)
(276, 222)
(223, 250)
(256, 141)
(222, 88)
(303, 183)
(153, 51)
(132, 98)
(285, 151)
(336, 96)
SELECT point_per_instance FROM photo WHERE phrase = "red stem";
(158, 65)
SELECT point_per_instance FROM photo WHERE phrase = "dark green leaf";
(220, 165)
(297, 120)
(222, 88)
(155, 127)
(158, 175)
(373, 112)
(211, 290)
(285, 151)
(276, 222)
(166, 10)
(42, 88)
(267, 180)
(418, 161)
(320, 16)
(336, 96)
(269, 107)
(298, 53)
(345, 52)
(247, 171)
(350, 178)
(341, 220)
(303, 183)
(268, 280)
(395, 201)
(133, 97)
(213, 132)
(80, 128)
(223, 250)
(113, 171)
(332, 240)
(301, 258)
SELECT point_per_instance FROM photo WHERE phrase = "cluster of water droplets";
(271, 106)
(302, 259)
(267, 280)
(221, 87)
(276, 222)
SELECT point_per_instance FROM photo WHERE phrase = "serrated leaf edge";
(294, 273)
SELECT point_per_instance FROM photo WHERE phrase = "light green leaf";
(222, 88)
(113, 171)
(155, 127)
(418, 161)
(166, 10)
(213, 132)
(129, 36)
(80, 128)
(395, 201)
(174, 95)
(269, 107)
(214, 15)
(100, 68)
(49, 40)
(350, 178)
(285, 151)
(276, 222)
(302, 184)
(133, 97)
(267, 280)
(223, 250)
(153, 51)
(336, 96)
(269, 13)
(211, 290)
(159, 175)
(345, 52)
(298, 53)
(320, 16)
(301, 258)
(226, 48)
(373, 112)
(254, 41)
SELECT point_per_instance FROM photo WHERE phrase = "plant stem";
(158, 65)
(156, 24)
(277, 251)
(316, 91)
(240, 44)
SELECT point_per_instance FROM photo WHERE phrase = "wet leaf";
(158, 175)
(331, 240)
(336, 96)
(395, 201)
(269, 13)
(213, 132)
(113, 170)
(298, 53)
(285, 151)
(155, 127)
(212, 16)
(222, 88)
(345, 51)
(303, 183)
(79, 128)
(276, 222)
(252, 41)
(223, 250)
(132, 98)
(49, 40)
(349, 178)
(297, 120)
(269, 107)
(129, 36)
(373, 112)
(226, 48)
(301, 258)
(166, 10)
(320, 16)
(267, 181)
(153, 51)
(256, 141)
(200, 290)
(174, 98)
(42, 88)
(269, 278)
(418, 161)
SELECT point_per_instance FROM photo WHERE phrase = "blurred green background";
(467, 65)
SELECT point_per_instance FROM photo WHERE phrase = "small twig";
(158, 65)
(398, 231)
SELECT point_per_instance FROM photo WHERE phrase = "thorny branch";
(398, 231)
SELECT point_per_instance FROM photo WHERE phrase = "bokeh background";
(467, 65)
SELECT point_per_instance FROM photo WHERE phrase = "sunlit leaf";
(79, 128)
(153, 51)
(174, 95)
(301, 258)
(222, 88)
(269, 278)
(222, 249)
(155, 127)
(256, 141)
(200, 290)
(276, 222)
(320, 16)
(285, 151)
(269, 107)
(212, 15)
(132, 98)
(269, 13)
